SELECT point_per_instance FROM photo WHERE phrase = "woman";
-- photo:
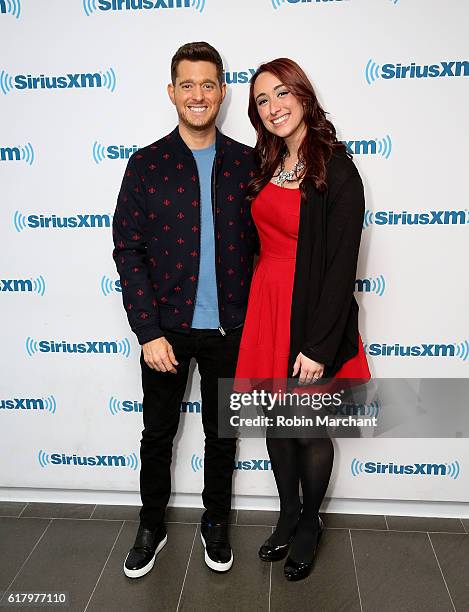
(302, 318)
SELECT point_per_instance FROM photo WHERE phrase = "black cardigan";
(324, 313)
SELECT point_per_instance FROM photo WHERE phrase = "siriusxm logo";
(460, 350)
(95, 347)
(451, 469)
(278, 3)
(30, 403)
(109, 286)
(91, 6)
(197, 463)
(238, 78)
(79, 80)
(360, 410)
(18, 153)
(100, 152)
(112, 461)
(117, 406)
(79, 221)
(374, 71)
(23, 285)
(371, 285)
(10, 7)
(375, 146)
(429, 217)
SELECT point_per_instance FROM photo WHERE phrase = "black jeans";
(216, 356)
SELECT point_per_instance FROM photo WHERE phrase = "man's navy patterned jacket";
(156, 231)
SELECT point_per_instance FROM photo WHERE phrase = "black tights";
(307, 461)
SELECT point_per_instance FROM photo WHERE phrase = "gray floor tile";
(49, 510)
(157, 591)
(69, 558)
(11, 508)
(257, 517)
(117, 513)
(353, 521)
(424, 523)
(17, 539)
(452, 551)
(245, 587)
(398, 571)
(331, 586)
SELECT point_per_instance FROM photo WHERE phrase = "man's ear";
(223, 91)
(171, 93)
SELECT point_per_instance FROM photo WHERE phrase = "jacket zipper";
(220, 328)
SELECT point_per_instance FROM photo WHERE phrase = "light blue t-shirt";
(206, 314)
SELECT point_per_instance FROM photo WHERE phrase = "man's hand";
(158, 355)
(309, 370)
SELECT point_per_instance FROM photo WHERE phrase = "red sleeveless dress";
(265, 343)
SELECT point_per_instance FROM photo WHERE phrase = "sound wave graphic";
(371, 71)
(114, 406)
(6, 82)
(109, 79)
(453, 469)
(43, 458)
(198, 5)
(196, 463)
(32, 346)
(99, 152)
(368, 410)
(11, 7)
(123, 347)
(50, 404)
(368, 218)
(462, 350)
(89, 6)
(277, 3)
(39, 285)
(385, 146)
(356, 467)
(107, 285)
(19, 221)
(394, 1)
(131, 461)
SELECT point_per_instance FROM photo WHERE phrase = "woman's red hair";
(320, 139)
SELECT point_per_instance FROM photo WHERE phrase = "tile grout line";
(237, 514)
(24, 508)
(187, 569)
(26, 560)
(463, 526)
(386, 521)
(270, 579)
(91, 515)
(355, 569)
(104, 567)
(441, 571)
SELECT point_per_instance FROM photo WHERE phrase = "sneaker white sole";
(217, 567)
(149, 566)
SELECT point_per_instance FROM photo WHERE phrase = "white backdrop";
(64, 142)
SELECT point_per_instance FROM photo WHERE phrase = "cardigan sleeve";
(344, 221)
(130, 257)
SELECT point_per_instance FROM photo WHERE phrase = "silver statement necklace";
(293, 175)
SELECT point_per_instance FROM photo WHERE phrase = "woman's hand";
(309, 370)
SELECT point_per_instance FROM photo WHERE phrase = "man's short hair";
(197, 52)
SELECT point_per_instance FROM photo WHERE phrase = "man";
(184, 244)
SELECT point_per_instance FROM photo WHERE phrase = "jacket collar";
(174, 138)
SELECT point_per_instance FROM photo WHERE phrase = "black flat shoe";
(142, 555)
(267, 552)
(270, 552)
(298, 570)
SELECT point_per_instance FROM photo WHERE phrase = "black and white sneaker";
(141, 558)
(218, 553)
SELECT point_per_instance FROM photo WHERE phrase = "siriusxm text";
(18, 403)
(75, 221)
(90, 346)
(66, 81)
(417, 350)
(416, 71)
(432, 217)
(423, 469)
